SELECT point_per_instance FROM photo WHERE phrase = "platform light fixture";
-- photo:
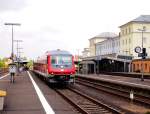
(18, 48)
(12, 24)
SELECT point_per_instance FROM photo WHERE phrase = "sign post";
(141, 53)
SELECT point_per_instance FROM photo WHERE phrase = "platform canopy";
(87, 62)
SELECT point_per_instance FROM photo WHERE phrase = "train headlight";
(62, 70)
(52, 73)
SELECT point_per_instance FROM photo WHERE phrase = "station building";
(99, 38)
(132, 33)
(114, 53)
(85, 52)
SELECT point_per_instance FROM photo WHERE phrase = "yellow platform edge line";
(3, 93)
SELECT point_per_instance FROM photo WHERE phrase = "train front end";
(61, 68)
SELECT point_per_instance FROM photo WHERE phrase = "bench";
(2, 95)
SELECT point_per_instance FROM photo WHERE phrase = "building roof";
(107, 40)
(107, 35)
(141, 18)
(104, 57)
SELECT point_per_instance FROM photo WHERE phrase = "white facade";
(99, 38)
(93, 42)
(131, 36)
(110, 47)
(85, 52)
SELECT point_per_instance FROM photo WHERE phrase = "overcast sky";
(63, 24)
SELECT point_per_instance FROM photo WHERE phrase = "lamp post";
(12, 24)
(142, 30)
(17, 41)
(125, 62)
(18, 48)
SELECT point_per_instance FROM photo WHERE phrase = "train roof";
(58, 52)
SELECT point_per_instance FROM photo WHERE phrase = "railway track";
(85, 104)
(116, 91)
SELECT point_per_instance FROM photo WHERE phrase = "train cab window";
(61, 61)
(53, 61)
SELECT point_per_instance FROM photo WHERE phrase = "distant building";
(99, 38)
(110, 52)
(85, 52)
(109, 47)
(131, 35)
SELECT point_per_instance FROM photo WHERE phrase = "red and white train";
(56, 66)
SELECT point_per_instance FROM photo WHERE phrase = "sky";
(62, 24)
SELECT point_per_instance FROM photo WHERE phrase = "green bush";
(2, 64)
(30, 64)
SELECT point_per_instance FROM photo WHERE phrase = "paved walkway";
(21, 96)
(120, 79)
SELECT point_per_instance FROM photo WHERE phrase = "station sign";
(140, 54)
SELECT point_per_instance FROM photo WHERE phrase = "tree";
(2, 63)
(30, 64)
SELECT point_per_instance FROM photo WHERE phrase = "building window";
(126, 31)
(134, 67)
(129, 30)
(122, 42)
(129, 51)
(144, 39)
(129, 40)
(122, 32)
(145, 66)
(137, 66)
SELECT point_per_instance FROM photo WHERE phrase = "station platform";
(133, 82)
(21, 97)
(31, 95)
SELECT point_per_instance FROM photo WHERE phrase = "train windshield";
(61, 61)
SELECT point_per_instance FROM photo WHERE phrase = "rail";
(85, 104)
(142, 99)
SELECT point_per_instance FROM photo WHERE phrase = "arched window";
(133, 67)
(137, 66)
(145, 66)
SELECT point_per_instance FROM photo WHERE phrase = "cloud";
(10, 5)
(49, 29)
